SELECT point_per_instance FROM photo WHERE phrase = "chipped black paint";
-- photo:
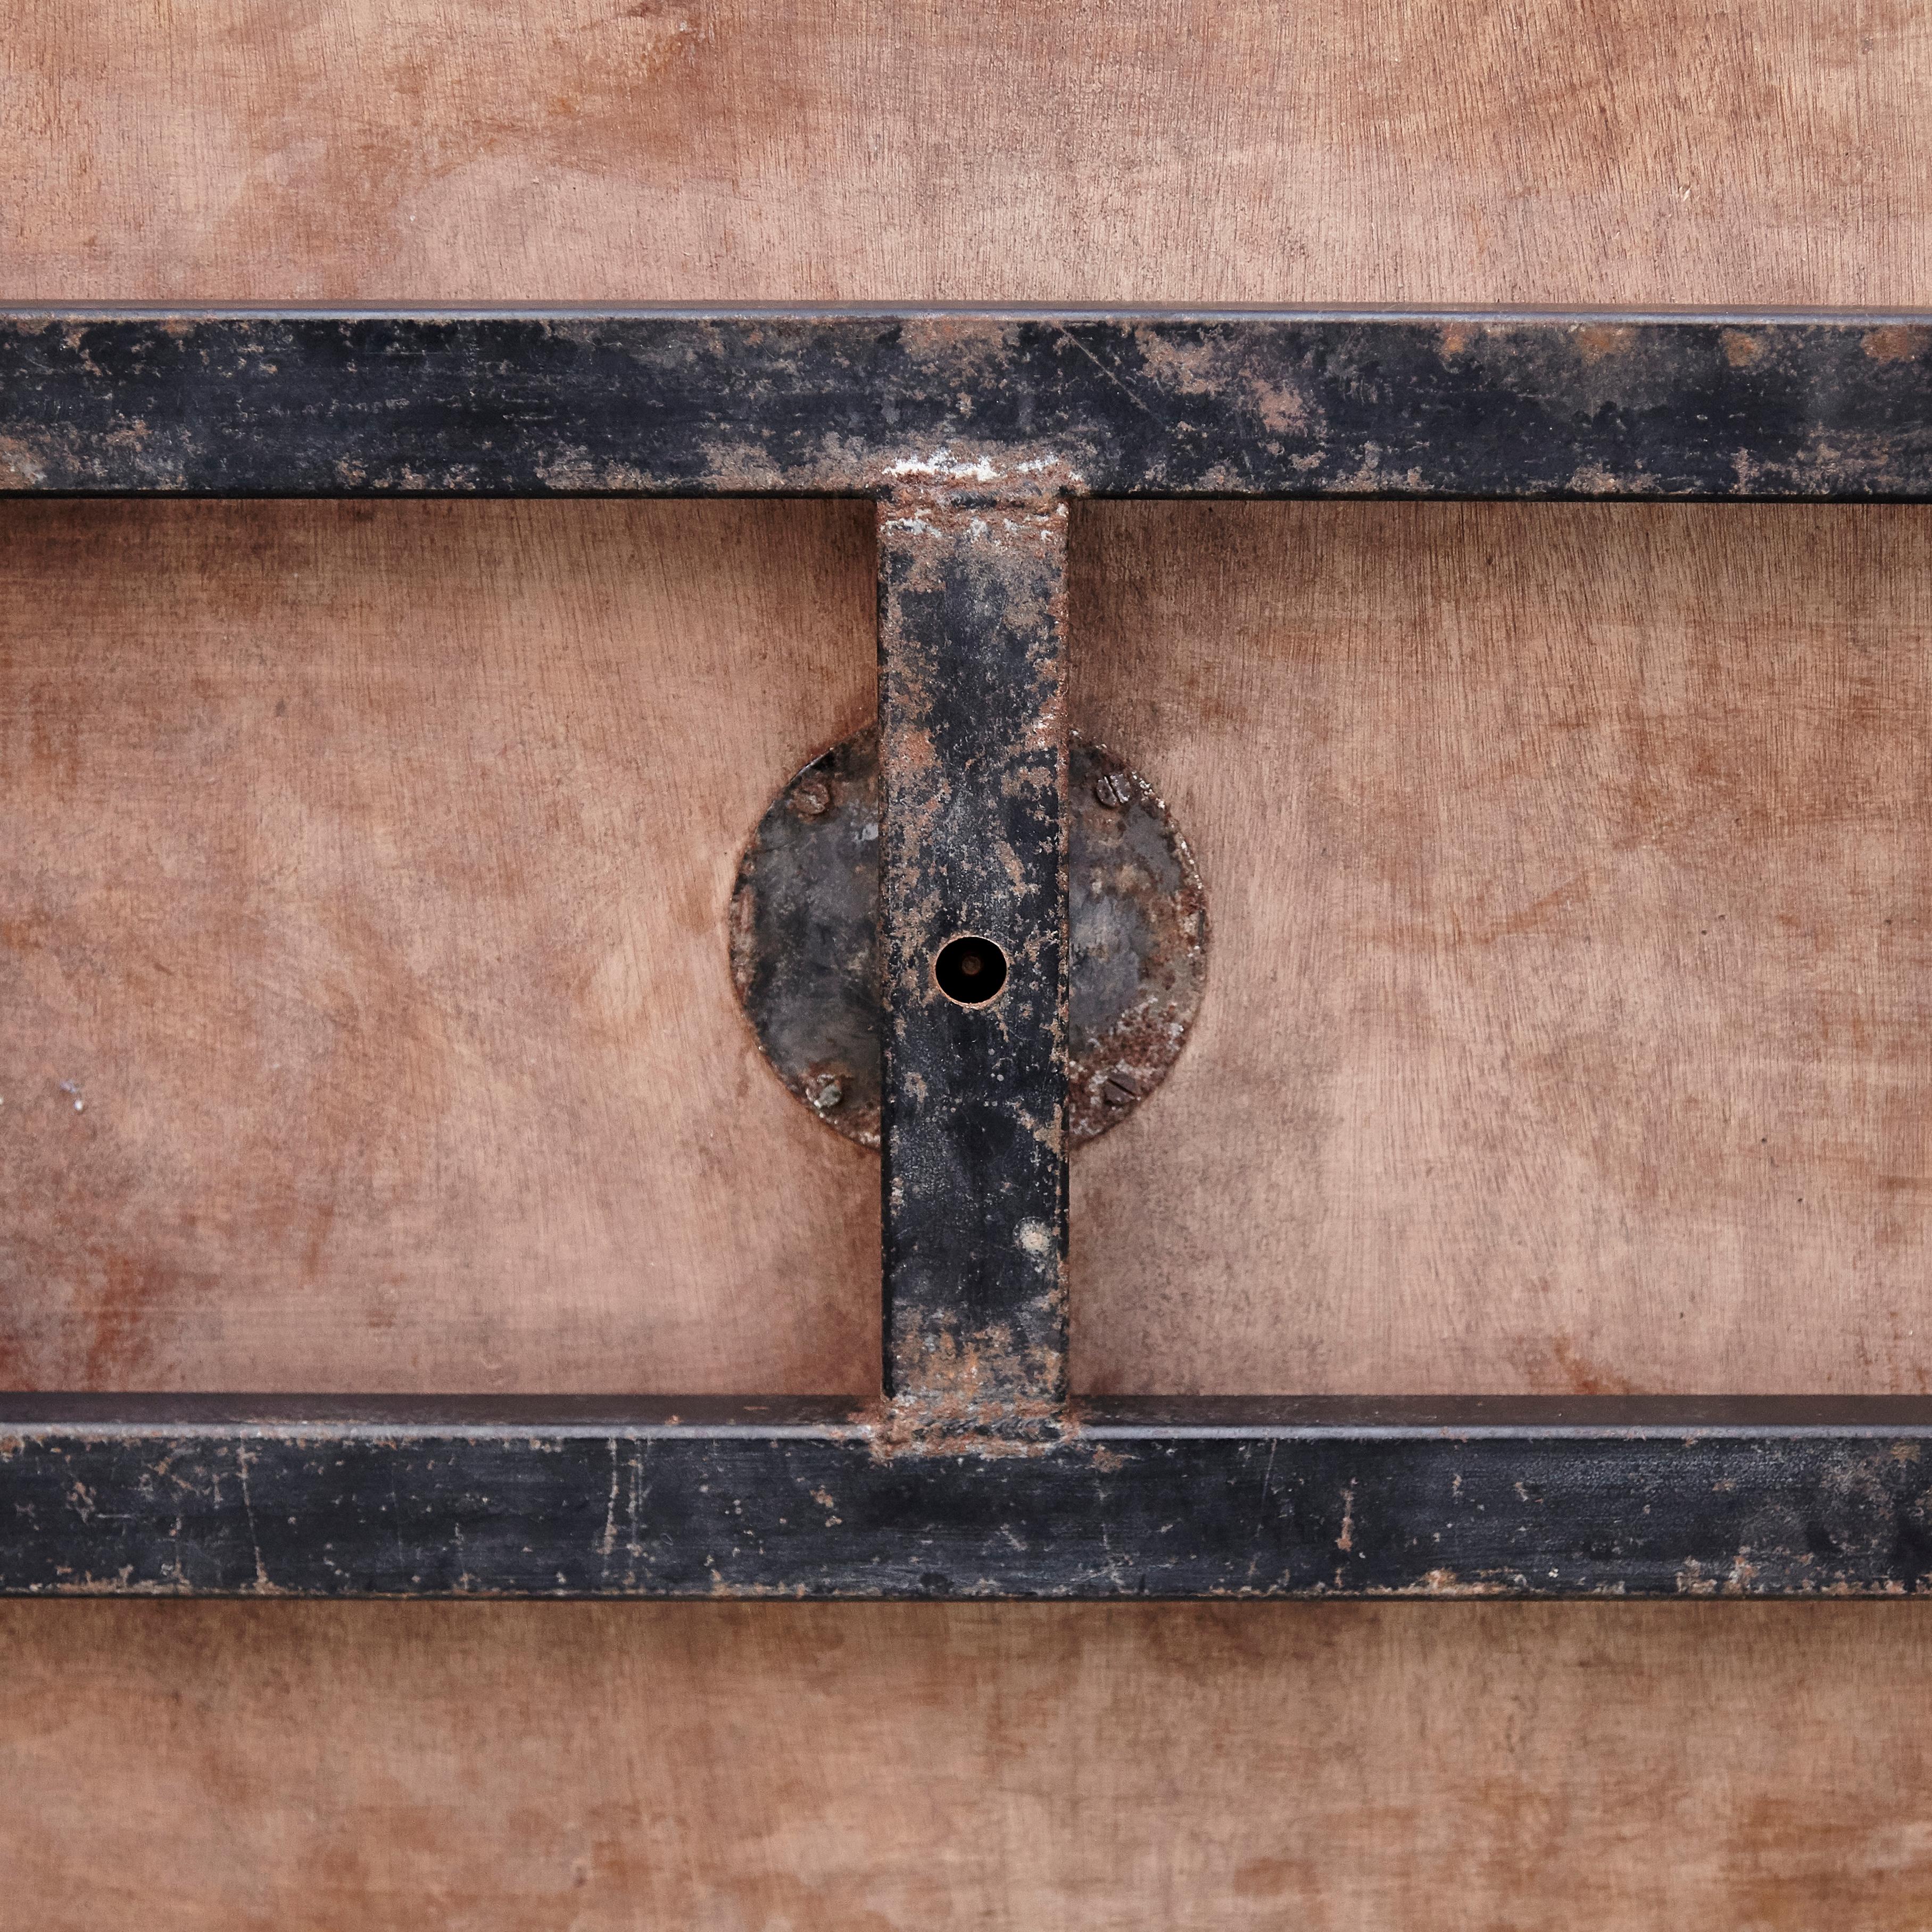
(973, 841)
(1229, 403)
(596, 1497)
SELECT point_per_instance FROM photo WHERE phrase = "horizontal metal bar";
(1237, 404)
(598, 1496)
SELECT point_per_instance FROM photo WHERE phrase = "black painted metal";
(973, 844)
(1214, 402)
(805, 938)
(598, 1497)
(975, 1478)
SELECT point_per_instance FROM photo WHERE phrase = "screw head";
(1112, 789)
(1120, 1090)
(811, 797)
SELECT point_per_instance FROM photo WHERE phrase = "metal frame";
(973, 1472)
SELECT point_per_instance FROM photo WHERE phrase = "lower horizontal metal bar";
(221, 1495)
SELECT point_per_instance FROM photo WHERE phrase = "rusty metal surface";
(1216, 402)
(972, 841)
(1138, 916)
(805, 938)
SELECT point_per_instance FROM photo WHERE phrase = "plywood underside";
(1617, 151)
(481, 1767)
(484, 1767)
(1571, 874)
(367, 1013)
(366, 1022)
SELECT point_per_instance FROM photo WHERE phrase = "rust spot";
(1455, 338)
(1562, 1369)
(1741, 350)
(1583, 1377)
(1446, 1583)
(19, 468)
(970, 1398)
(1898, 342)
(1221, 369)
(1282, 409)
(1597, 339)
(1596, 479)
(1743, 1577)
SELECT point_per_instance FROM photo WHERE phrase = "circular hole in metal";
(805, 950)
(970, 970)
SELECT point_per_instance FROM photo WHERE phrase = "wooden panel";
(1579, 151)
(365, 1016)
(1571, 874)
(485, 1767)
(183, 1765)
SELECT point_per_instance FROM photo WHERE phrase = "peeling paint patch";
(1898, 342)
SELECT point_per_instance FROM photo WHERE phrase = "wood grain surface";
(267, 1767)
(366, 1017)
(1471, 1106)
(1566, 1029)
(1573, 151)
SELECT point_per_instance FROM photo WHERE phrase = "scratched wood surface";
(310, 884)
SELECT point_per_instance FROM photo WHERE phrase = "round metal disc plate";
(805, 950)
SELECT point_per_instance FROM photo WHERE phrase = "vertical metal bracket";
(973, 760)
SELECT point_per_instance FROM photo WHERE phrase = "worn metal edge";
(804, 311)
(103, 1415)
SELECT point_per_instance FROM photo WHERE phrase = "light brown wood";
(366, 1021)
(180, 1766)
(1570, 151)
(1566, 1027)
